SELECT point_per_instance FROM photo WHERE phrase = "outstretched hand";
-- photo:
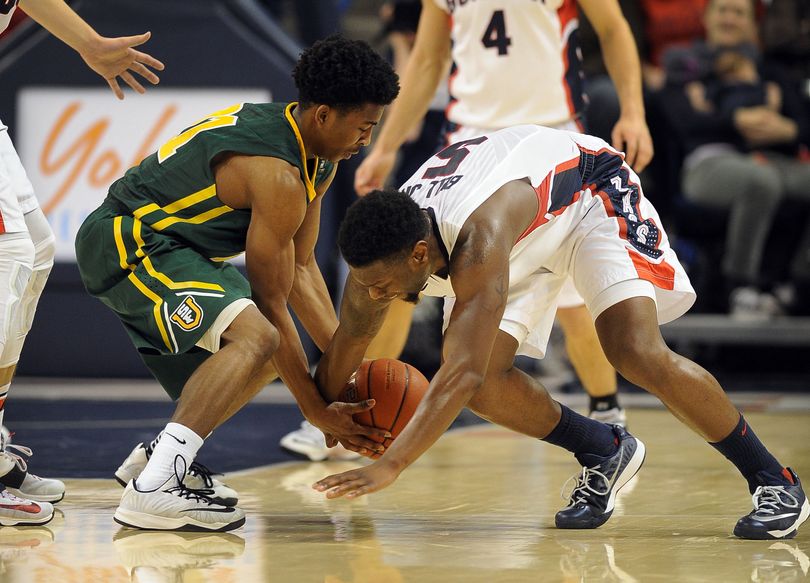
(358, 482)
(116, 57)
(337, 423)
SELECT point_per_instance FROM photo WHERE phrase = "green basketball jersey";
(173, 190)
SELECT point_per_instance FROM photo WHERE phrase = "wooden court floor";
(479, 507)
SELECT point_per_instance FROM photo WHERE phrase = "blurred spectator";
(668, 24)
(740, 124)
(786, 39)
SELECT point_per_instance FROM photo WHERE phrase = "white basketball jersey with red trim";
(457, 180)
(514, 62)
(7, 8)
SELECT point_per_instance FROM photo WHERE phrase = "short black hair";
(381, 225)
(345, 74)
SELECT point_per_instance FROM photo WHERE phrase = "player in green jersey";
(250, 178)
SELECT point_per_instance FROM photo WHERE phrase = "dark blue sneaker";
(778, 511)
(594, 495)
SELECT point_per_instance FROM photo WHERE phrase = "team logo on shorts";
(188, 315)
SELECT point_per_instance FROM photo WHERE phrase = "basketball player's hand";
(337, 423)
(358, 482)
(632, 136)
(116, 57)
(373, 171)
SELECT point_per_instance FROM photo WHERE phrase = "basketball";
(397, 388)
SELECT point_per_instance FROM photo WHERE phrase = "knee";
(639, 359)
(258, 341)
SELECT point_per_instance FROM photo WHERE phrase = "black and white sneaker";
(778, 511)
(594, 495)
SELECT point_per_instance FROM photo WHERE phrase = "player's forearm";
(624, 67)
(310, 301)
(418, 85)
(340, 360)
(61, 21)
(290, 360)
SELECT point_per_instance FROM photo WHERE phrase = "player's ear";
(420, 252)
(322, 113)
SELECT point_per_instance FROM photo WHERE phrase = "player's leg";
(609, 455)
(632, 280)
(308, 441)
(26, 258)
(632, 340)
(597, 376)
(136, 272)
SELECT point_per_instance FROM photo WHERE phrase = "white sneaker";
(198, 477)
(310, 442)
(613, 416)
(18, 511)
(15, 477)
(173, 506)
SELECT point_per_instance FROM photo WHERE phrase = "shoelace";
(583, 489)
(183, 491)
(18, 459)
(767, 499)
(202, 472)
(11, 498)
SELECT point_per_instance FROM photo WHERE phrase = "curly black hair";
(345, 74)
(381, 225)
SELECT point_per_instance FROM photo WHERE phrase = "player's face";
(401, 279)
(346, 132)
(730, 22)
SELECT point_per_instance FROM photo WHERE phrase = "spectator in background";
(786, 39)
(668, 24)
(741, 142)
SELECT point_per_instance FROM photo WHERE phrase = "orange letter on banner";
(81, 149)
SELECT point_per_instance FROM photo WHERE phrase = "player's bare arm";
(109, 57)
(360, 320)
(423, 73)
(480, 272)
(273, 190)
(309, 297)
(630, 134)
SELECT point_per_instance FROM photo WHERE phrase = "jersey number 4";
(495, 34)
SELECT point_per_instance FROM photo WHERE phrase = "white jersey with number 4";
(514, 62)
(590, 222)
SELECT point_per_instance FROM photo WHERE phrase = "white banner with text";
(75, 142)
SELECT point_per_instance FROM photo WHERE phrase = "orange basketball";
(397, 388)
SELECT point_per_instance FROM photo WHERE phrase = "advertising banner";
(74, 142)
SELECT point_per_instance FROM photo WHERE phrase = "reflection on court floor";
(479, 507)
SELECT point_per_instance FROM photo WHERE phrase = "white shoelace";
(767, 499)
(18, 459)
(582, 488)
(10, 498)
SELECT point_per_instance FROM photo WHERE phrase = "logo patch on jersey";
(188, 315)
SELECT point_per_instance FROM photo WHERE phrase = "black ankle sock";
(605, 403)
(757, 465)
(582, 436)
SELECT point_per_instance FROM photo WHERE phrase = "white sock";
(176, 440)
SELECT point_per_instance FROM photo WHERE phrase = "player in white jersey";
(27, 242)
(496, 224)
(514, 63)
